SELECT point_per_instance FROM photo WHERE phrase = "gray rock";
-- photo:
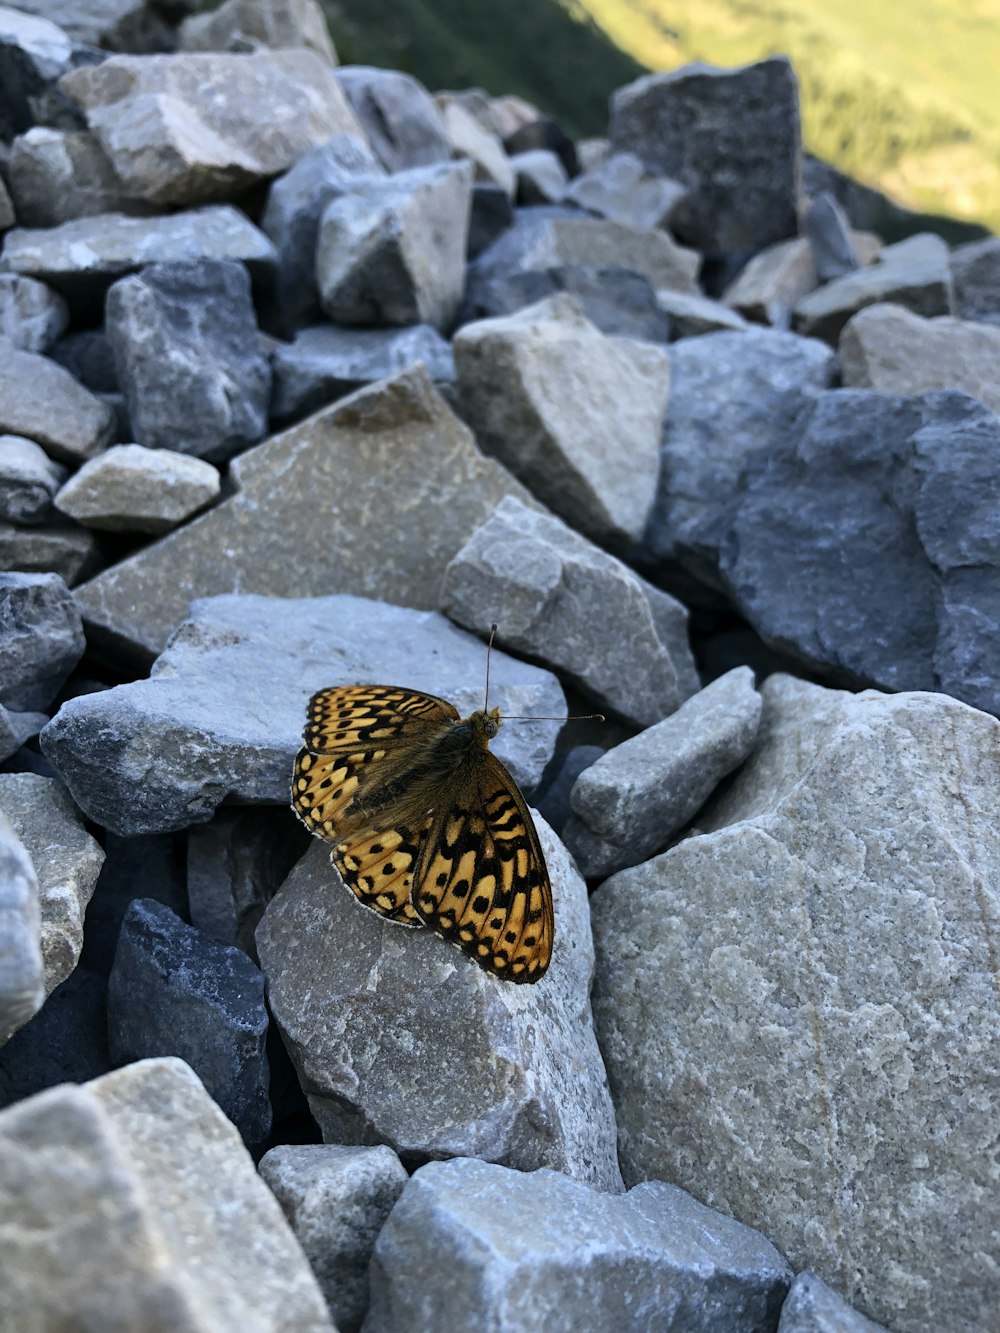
(189, 357)
(86, 354)
(691, 316)
(552, 798)
(58, 175)
(492, 213)
(28, 480)
(774, 281)
(254, 25)
(34, 53)
(131, 1202)
(471, 140)
(7, 215)
(326, 362)
(117, 25)
(32, 316)
(471, 1245)
(403, 126)
(540, 582)
(42, 638)
(589, 450)
(731, 136)
(40, 400)
(812, 1307)
(223, 710)
(68, 551)
(620, 188)
(825, 945)
(826, 228)
(541, 177)
(192, 128)
(18, 728)
(591, 152)
(638, 795)
(540, 131)
(442, 487)
(67, 862)
(22, 981)
(914, 273)
(400, 1039)
(975, 270)
(175, 991)
(132, 489)
(65, 1042)
(392, 251)
(336, 1201)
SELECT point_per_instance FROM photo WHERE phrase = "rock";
(541, 177)
(693, 315)
(442, 488)
(540, 581)
(65, 1042)
(471, 1245)
(509, 114)
(42, 639)
(67, 551)
(32, 316)
(16, 729)
(632, 801)
(774, 281)
(189, 357)
(468, 139)
(825, 944)
(129, 488)
(116, 25)
(537, 132)
(591, 152)
(40, 400)
(34, 53)
(59, 175)
(887, 347)
(619, 188)
(399, 1038)
(591, 450)
(552, 797)
(393, 251)
(132, 1202)
(192, 128)
(175, 991)
(7, 215)
(492, 213)
(326, 362)
(67, 861)
(151, 866)
(812, 1307)
(86, 354)
(255, 25)
(731, 137)
(22, 981)
(398, 116)
(336, 1201)
(828, 232)
(872, 485)
(975, 270)
(913, 273)
(163, 753)
(28, 480)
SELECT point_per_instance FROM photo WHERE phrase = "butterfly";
(428, 827)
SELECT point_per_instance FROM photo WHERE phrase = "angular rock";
(129, 488)
(975, 271)
(18, 728)
(812, 1307)
(28, 480)
(619, 188)
(59, 175)
(34, 53)
(131, 1202)
(540, 581)
(41, 640)
(326, 362)
(370, 1015)
(541, 177)
(40, 400)
(914, 273)
(539, 132)
(151, 866)
(68, 551)
(693, 315)
(492, 213)
(828, 232)
(589, 450)
(509, 114)
(86, 354)
(731, 136)
(398, 115)
(189, 357)
(552, 798)
(469, 139)
(336, 1201)
(393, 251)
(163, 753)
(254, 25)
(116, 25)
(442, 487)
(471, 1245)
(887, 347)
(774, 281)
(22, 980)
(65, 1042)
(175, 991)
(632, 801)
(7, 215)
(192, 128)
(32, 315)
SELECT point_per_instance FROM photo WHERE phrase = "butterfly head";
(485, 725)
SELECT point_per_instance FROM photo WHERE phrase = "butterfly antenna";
(489, 649)
(573, 717)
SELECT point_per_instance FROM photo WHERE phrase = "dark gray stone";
(115, 25)
(40, 400)
(813, 1307)
(492, 213)
(826, 228)
(29, 481)
(398, 115)
(59, 175)
(175, 991)
(16, 729)
(65, 549)
(541, 177)
(34, 54)
(553, 797)
(543, 132)
(65, 1042)
(41, 639)
(32, 315)
(151, 866)
(975, 270)
(86, 354)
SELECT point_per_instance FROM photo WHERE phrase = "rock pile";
(307, 375)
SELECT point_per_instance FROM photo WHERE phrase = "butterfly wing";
(480, 879)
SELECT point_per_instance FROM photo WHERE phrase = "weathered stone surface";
(828, 232)
(552, 798)
(541, 132)
(59, 175)
(32, 315)
(576, 415)
(392, 251)
(68, 551)
(130, 1202)
(510, 113)
(116, 25)
(369, 1012)
(132, 489)
(40, 400)
(484, 149)
(914, 273)
(191, 128)
(42, 638)
(22, 981)
(151, 865)
(541, 177)
(336, 1201)
(731, 136)
(770, 286)
(33, 54)
(889, 348)
(540, 581)
(442, 487)
(189, 357)
(492, 213)
(472, 1245)
(691, 316)
(398, 115)
(255, 25)
(638, 795)
(17, 728)
(620, 188)
(812, 1307)
(975, 270)
(28, 480)
(223, 710)
(799, 1008)
(86, 354)
(65, 1042)
(175, 991)
(7, 215)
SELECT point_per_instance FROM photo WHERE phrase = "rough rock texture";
(28, 480)
(799, 1009)
(116, 25)
(131, 1203)
(34, 53)
(773, 282)
(693, 315)
(540, 581)
(22, 982)
(223, 710)
(398, 115)
(65, 550)
(471, 1245)
(975, 270)
(541, 177)
(40, 400)
(41, 639)
(254, 25)
(812, 1307)
(17, 728)
(129, 488)
(399, 1038)
(58, 175)
(492, 213)
(620, 189)
(827, 230)
(32, 315)
(65, 1042)
(484, 149)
